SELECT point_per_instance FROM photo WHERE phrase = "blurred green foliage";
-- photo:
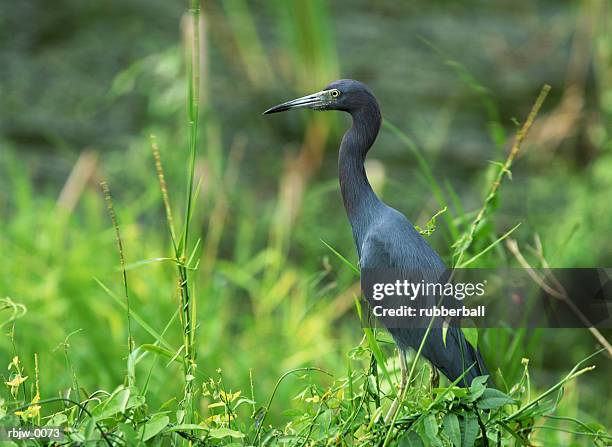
(453, 76)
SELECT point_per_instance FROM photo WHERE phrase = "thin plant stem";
(111, 211)
(266, 409)
(466, 241)
(188, 312)
(164, 191)
(558, 293)
(410, 375)
(575, 372)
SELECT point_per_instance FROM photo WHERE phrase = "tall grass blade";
(111, 211)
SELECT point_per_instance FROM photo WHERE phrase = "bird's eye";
(335, 93)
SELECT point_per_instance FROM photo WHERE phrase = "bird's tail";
(456, 357)
(469, 361)
(479, 368)
(452, 355)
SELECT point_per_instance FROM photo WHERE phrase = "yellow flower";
(32, 411)
(14, 364)
(18, 380)
(14, 383)
(217, 404)
(229, 397)
(219, 418)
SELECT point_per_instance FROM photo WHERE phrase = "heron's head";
(345, 94)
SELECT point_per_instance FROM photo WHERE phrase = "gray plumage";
(383, 236)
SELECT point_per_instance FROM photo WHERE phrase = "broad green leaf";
(115, 404)
(154, 426)
(243, 401)
(411, 439)
(478, 387)
(450, 427)
(430, 428)
(220, 433)
(129, 435)
(76, 437)
(492, 398)
(90, 431)
(56, 420)
(185, 427)
(468, 424)
(135, 401)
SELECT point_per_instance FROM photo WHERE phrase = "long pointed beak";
(314, 101)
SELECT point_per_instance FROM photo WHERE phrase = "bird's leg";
(402, 388)
(434, 377)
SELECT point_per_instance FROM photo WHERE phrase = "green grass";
(221, 320)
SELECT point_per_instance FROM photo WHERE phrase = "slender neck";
(360, 201)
